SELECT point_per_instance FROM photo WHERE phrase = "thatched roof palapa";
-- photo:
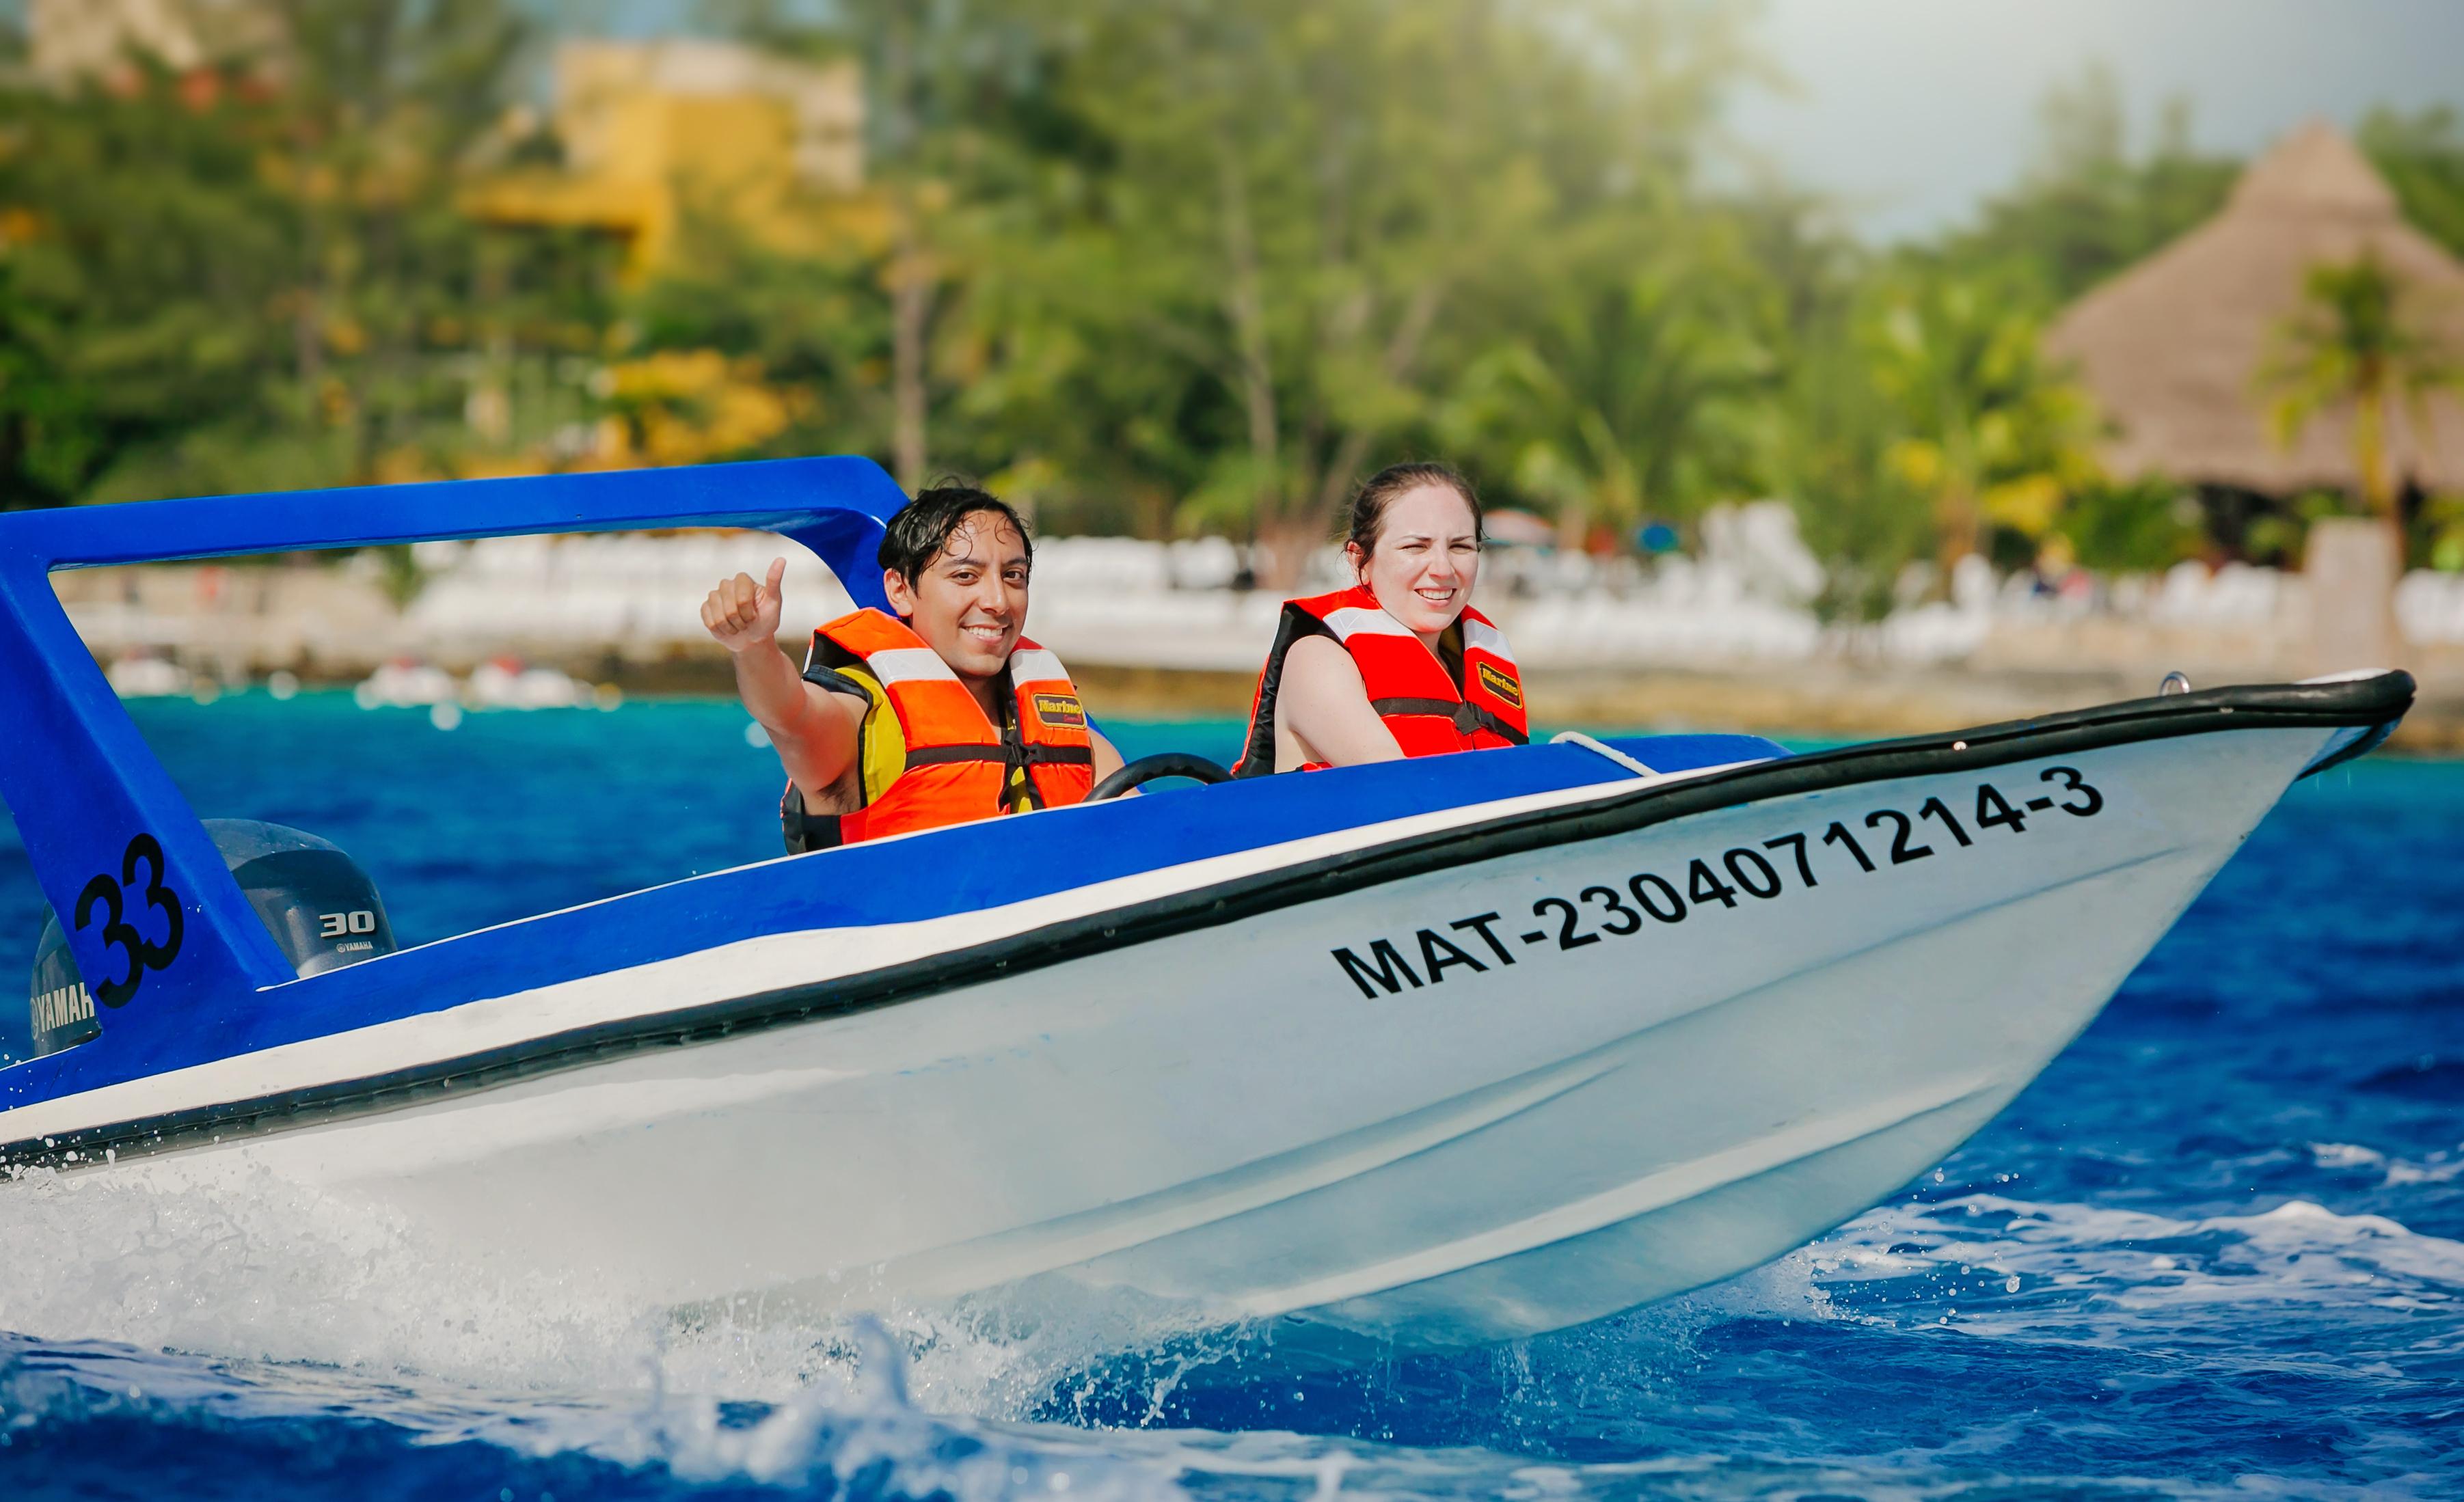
(2173, 346)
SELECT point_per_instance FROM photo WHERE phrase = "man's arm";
(1324, 703)
(1108, 761)
(814, 732)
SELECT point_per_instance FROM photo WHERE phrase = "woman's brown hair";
(1382, 490)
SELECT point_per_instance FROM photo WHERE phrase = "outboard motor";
(61, 1009)
(321, 908)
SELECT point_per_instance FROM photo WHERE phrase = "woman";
(1400, 664)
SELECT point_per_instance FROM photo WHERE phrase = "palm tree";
(1637, 400)
(2351, 343)
(1990, 433)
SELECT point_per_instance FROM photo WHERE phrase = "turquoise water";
(2217, 1249)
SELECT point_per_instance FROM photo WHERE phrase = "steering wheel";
(1152, 769)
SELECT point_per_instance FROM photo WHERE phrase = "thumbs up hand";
(742, 615)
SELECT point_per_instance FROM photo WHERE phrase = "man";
(944, 714)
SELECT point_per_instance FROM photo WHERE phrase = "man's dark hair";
(922, 528)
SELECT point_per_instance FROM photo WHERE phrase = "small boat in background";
(505, 682)
(141, 675)
(1427, 1054)
(406, 684)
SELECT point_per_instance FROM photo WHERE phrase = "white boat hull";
(1226, 1119)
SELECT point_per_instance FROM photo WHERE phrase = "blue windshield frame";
(110, 838)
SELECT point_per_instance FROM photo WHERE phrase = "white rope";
(1578, 738)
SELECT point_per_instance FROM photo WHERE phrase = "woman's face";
(1427, 557)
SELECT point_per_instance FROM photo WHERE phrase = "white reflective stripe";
(907, 665)
(1033, 664)
(744, 967)
(1354, 621)
(1481, 636)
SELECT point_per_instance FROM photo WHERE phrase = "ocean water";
(2216, 1250)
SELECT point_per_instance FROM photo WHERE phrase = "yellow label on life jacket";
(1060, 710)
(1501, 685)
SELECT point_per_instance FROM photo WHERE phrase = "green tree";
(384, 103)
(257, 274)
(1831, 425)
(1319, 210)
(1641, 386)
(2352, 345)
(1986, 431)
(2086, 206)
(1197, 266)
(138, 249)
(2422, 154)
(959, 117)
(816, 325)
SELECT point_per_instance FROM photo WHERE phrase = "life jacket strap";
(1009, 752)
(806, 831)
(946, 755)
(1039, 754)
(1465, 717)
(1505, 730)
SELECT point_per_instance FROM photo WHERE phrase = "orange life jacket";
(1412, 690)
(959, 764)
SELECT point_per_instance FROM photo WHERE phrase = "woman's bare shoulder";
(1322, 660)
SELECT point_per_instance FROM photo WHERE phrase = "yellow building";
(655, 130)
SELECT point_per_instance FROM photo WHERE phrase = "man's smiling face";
(970, 603)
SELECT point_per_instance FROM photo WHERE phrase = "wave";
(297, 1323)
(254, 1267)
(861, 1437)
(85, 1413)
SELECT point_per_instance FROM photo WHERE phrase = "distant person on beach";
(941, 714)
(1400, 664)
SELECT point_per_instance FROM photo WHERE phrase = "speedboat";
(1428, 1054)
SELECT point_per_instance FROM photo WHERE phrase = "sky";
(1913, 111)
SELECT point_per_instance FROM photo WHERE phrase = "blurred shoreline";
(1161, 629)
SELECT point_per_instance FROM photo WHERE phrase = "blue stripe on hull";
(959, 870)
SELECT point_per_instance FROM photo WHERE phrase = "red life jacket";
(1412, 690)
(959, 763)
